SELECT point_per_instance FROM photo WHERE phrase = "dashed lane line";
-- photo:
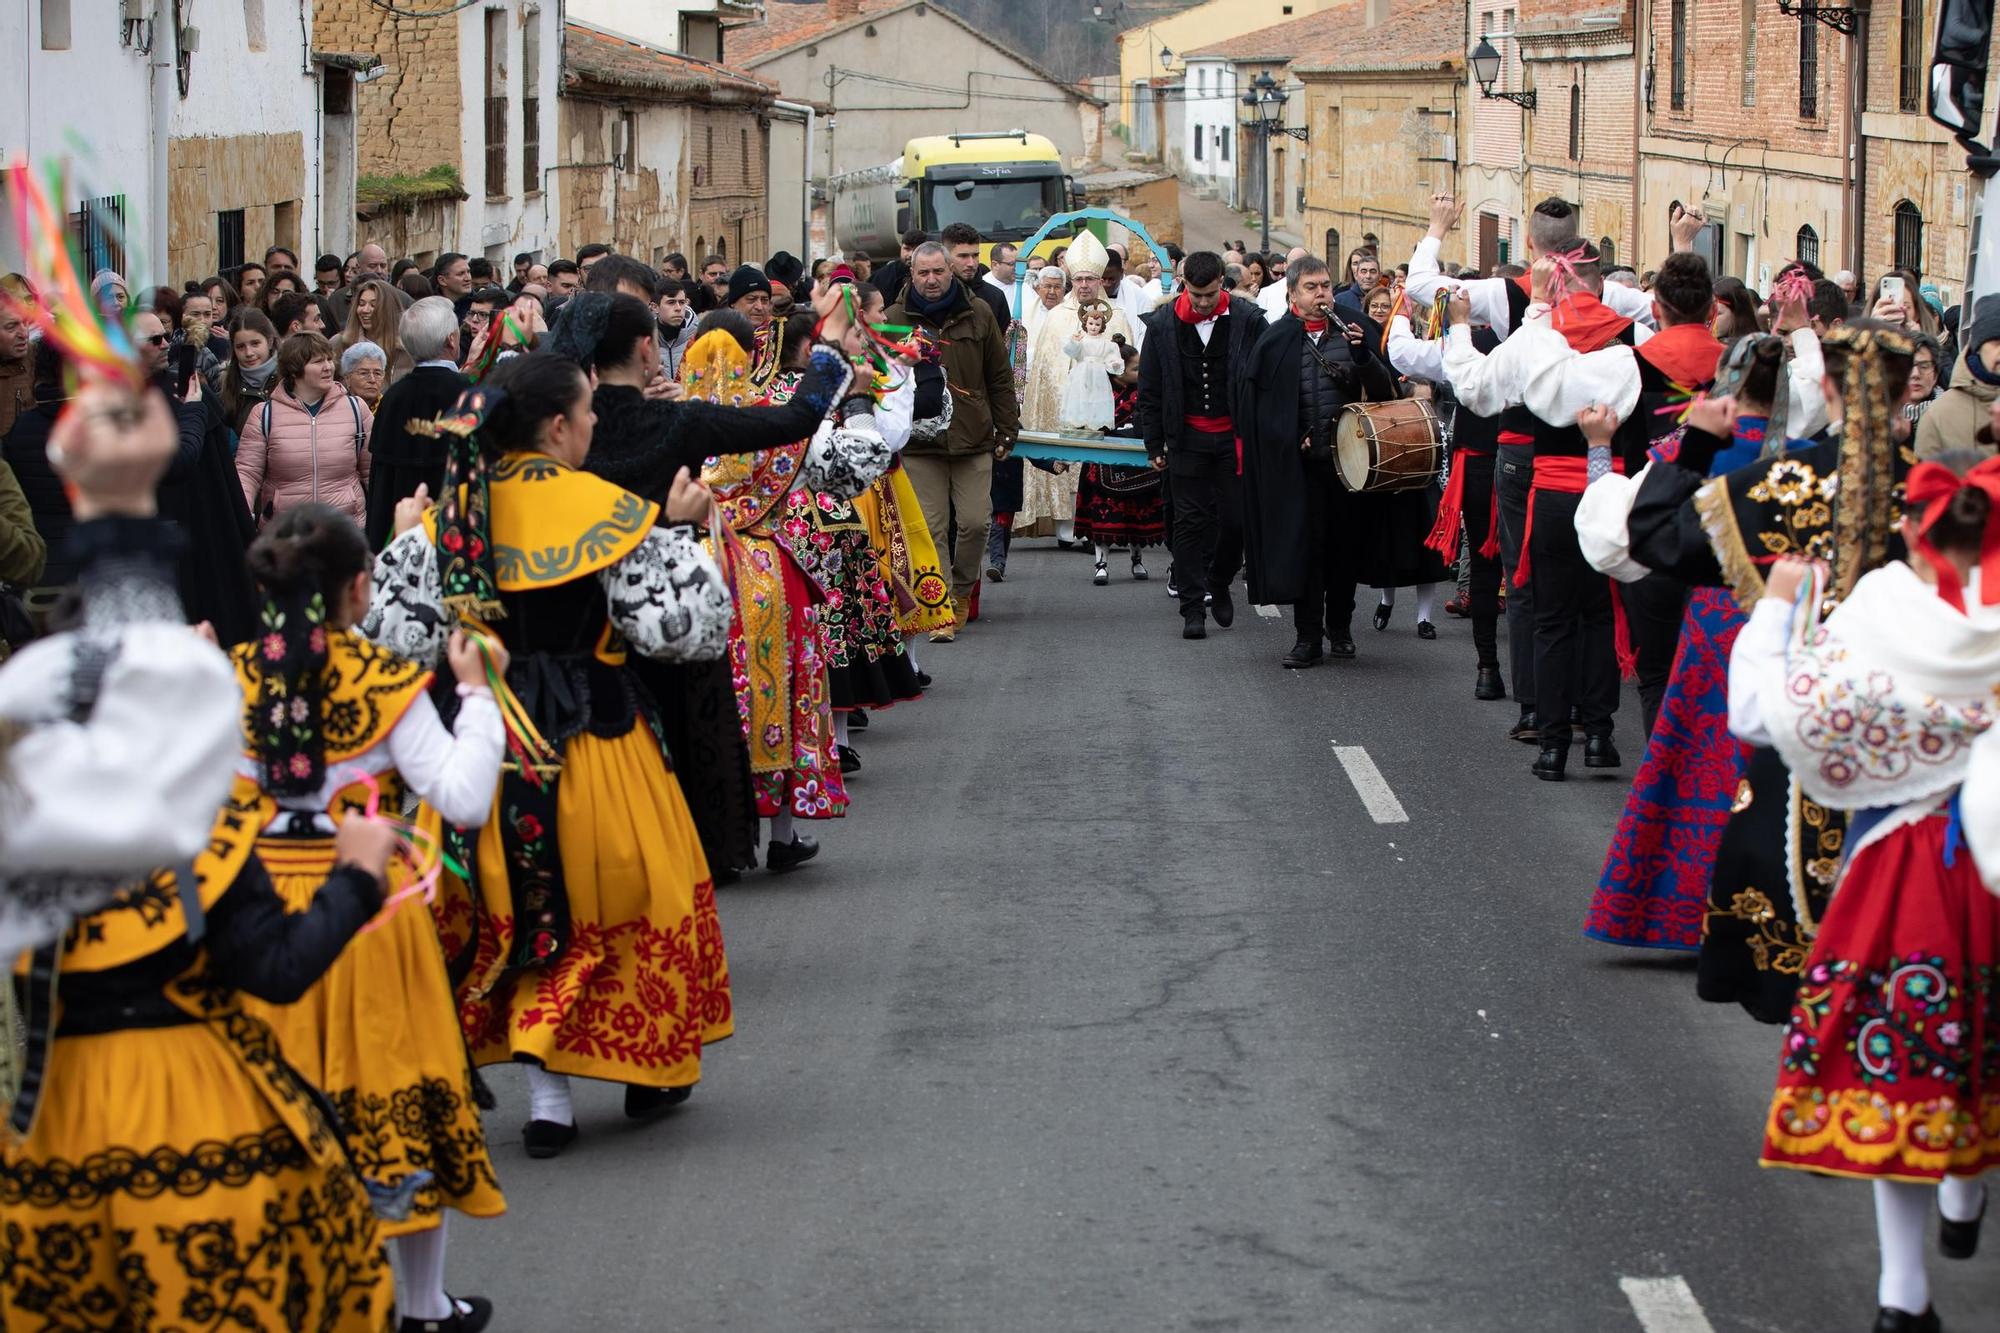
(1370, 785)
(1665, 1305)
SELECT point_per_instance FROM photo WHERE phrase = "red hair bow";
(1932, 485)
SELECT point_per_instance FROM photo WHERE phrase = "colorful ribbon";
(95, 349)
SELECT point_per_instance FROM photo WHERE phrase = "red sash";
(1567, 475)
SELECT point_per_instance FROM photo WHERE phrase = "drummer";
(1304, 533)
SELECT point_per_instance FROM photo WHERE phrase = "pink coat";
(303, 456)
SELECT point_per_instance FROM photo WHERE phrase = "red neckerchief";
(1314, 325)
(1184, 309)
(1587, 322)
(1684, 353)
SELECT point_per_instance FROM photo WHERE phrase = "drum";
(1393, 446)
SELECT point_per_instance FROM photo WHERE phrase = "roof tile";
(592, 56)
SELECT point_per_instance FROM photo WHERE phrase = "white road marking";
(1268, 612)
(1665, 1305)
(1383, 807)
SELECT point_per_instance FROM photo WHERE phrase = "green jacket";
(984, 411)
(23, 553)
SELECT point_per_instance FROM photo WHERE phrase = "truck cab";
(1004, 184)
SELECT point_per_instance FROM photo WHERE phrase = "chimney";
(842, 10)
(1375, 12)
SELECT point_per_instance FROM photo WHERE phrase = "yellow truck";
(1004, 183)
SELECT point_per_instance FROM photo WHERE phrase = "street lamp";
(1486, 71)
(1166, 57)
(1266, 101)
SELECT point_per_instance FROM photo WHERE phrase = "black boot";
(1488, 685)
(783, 856)
(1599, 752)
(1305, 653)
(1194, 624)
(1340, 645)
(1528, 729)
(1960, 1240)
(1550, 763)
(1222, 608)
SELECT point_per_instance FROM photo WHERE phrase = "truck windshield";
(999, 210)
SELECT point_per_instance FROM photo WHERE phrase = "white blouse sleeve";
(668, 598)
(894, 413)
(1420, 358)
(1489, 384)
(407, 613)
(137, 782)
(1979, 806)
(1561, 382)
(1632, 303)
(456, 771)
(1806, 408)
(1757, 670)
(1487, 295)
(846, 457)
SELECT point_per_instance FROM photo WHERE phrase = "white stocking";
(1101, 550)
(1902, 1216)
(420, 1263)
(1387, 596)
(1066, 530)
(781, 827)
(548, 1097)
(910, 651)
(1961, 1198)
(840, 728)
(1426, 600)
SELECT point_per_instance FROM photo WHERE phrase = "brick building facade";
(1582, 138)
(1743, 115)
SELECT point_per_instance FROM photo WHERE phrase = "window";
(1910, 69)
(531, 103)
(1749, 43)
(253, 24)
(1333, 244)
(1808, 60)
(55, 25)
(1678, 67)
(628, 141)
(1909, 237)
(1222, 141)
(1201, 81)
(1607, 253)
(1575, 123)
(1200, 134)
(496, 104)
(1807, 246)
(99, 228)
(285, 224)
(743, 140)
(229, 239)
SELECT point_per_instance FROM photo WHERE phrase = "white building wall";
(93, 96)
(1211, 92)
(513, 219)
(656, 22)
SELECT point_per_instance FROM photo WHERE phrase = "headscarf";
(465, 516)
(1735, 369)
(1930, 490)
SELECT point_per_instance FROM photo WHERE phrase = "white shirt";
(1273, 298)
(1489, 295)
(1006, 289)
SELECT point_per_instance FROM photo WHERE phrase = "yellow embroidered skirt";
(909, 557)
(160, 1189)
(378, 1034)
(643, 980)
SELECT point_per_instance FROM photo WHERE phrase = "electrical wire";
(400, 12)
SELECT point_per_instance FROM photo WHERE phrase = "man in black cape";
(1302, 529)
(401, 461)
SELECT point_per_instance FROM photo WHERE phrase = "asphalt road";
(1111, 1007)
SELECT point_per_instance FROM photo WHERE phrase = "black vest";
(1328, 381)
(1204, 370)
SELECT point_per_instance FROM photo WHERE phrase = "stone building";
(881, 72)
(184, 161)
(1582, 136)
(1151, 57)
(666, 153)
(1384, 107)
(1495, 157)
(1743, 115)
(1221, 144)
(472, 90)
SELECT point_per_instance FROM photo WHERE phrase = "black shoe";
(1549, 764)
(1222, 608)
(1341, 647)
(1426, 630)
(1902, 1321)
(924, 679)
(469, 1314)
(545, 1138)
(1599, 752)
(1960, 1240)
(1488, 684)
(1382, 616)
(726, 876)
(652, 1103)
(1527, 729)
(1305, 653)
(996, 573)
(1139, 574)
(1102, 575)
(1194, 624)
(784, 856)
(858, 720)
(850, 758)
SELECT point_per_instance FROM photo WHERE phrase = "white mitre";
(1086, 255)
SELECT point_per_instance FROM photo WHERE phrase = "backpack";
(360, 437)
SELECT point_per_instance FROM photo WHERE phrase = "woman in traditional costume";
(1653, 892)
(1121, 506)
(336, 724)
(595, 950)
(143, 1067)
(1891, 1063)
(778, 648)
(641, 443)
